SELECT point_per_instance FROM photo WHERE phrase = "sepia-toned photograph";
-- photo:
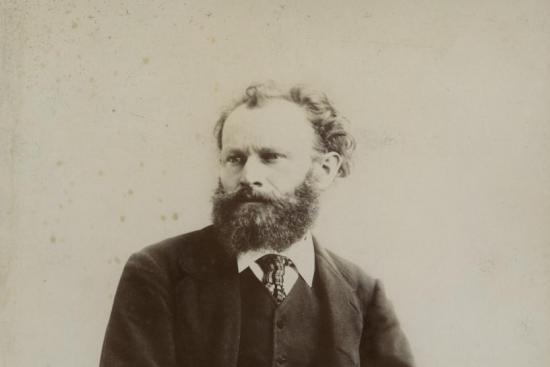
(274, 183)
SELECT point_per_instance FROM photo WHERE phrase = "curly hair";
(331, 127)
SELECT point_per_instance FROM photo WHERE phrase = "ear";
(327, 168)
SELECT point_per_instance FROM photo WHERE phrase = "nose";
(252, 173)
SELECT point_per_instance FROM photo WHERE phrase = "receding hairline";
(256, 104)
(280, 116)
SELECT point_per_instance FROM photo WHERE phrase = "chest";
(219, 321)
(289, 333)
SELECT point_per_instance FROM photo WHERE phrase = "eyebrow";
(271, 150)
(233, 151)
(262, 150)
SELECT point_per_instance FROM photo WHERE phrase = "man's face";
(266, 196)
(269, 148)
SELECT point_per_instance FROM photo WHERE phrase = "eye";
(235, 159)
(271, 156)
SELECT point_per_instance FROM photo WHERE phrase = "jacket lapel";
(343, 316)
(208, 306)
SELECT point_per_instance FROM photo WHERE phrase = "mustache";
(246, 194)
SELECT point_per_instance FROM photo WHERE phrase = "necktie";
(273, 267)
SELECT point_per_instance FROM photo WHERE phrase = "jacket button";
(281, 360)
(280, 324)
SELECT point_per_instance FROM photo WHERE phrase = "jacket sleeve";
(139, 332)
(383, 344)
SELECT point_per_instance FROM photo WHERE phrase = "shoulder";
(165, 258)
(351, 271)
(363, 283)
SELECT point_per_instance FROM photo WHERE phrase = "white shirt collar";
(301, 253)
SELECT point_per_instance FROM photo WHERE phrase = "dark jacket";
(178, 304)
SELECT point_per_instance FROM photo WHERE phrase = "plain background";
(106, 147)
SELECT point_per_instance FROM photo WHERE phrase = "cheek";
(229, 179)
(289, 177)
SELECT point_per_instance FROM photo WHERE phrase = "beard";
(248, 220)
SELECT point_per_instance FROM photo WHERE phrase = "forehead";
(278, 124)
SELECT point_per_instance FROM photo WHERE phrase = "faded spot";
(130, 192)
(145, 60)
(163, 218)
(74, 25)
(116, 259)
(141, 164)
(175, 216)
(122, 218)
(59, 163)
(100, 173)
(138, 115)
(487, 266)
(199, 137)
(388, 140)
(53, 239)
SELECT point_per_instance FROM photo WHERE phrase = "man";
(256, 288)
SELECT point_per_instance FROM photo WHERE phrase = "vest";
(284, 335)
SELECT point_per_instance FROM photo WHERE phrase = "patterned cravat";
(273, 267)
